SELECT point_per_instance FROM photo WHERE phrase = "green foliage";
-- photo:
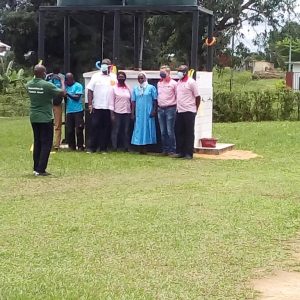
(12, 105)
(256, 106)
(164, 34)
(10, 78)
(277, 44)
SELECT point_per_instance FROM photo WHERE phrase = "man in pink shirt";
(166, 88)
(188, 101)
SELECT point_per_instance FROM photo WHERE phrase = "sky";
(251, 32)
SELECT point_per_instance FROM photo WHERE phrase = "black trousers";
(100, 130)
(87, 127)
(185, 133)
(75, 125)
(43, 138)
(120, 131)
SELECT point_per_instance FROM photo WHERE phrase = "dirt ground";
(233, 154)
(281, 285)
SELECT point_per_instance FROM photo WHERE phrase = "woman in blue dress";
(144, 109)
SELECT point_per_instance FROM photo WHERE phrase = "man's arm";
(63, 88)
(90, 100)
(198, 100)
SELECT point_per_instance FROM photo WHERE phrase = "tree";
(164, 34)
(278, 41)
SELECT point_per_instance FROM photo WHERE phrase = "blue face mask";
(104, 68)
(180, 75)
(163, 75)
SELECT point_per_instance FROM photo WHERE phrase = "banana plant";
(9, 77)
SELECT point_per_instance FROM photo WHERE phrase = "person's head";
(69, 79)
(182, 71)
(142, 78)
(56, 70)
(105, 66)
(40, 71)
(121, 76)
(165, 72)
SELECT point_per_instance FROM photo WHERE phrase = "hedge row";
(256, 106)
(228, 106)
(13, 105)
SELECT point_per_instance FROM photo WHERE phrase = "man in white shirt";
(99, 90)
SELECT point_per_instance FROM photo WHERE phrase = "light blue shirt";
(74, 105)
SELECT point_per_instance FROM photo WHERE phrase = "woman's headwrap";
(142, 87)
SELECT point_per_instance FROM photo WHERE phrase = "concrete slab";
(220, 148)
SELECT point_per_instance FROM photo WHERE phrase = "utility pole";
(290, 38)
(232, 58)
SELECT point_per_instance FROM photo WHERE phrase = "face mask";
(163, 75)
(104, 68)
(121, 80)
(180, 75)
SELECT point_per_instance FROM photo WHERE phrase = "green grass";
(242, 81)
(124, 226)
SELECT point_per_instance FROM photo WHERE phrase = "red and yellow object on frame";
(209, 42)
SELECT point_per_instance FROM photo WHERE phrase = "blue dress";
(144, 132)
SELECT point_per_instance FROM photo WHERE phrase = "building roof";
(5, 45)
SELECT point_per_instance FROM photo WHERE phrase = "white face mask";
(104, 68)
(180, 75)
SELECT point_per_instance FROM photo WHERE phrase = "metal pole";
(136, 43)
(290, 56)
(116, 38)
(102, 37)
(232, 57)
(66, 44)
(142, 36)
(195, 41)
(210, 50)
(41, 36)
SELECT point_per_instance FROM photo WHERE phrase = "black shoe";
(41, 174)
(188, 157)
(81, 149)
(177, 155)
(163, 154)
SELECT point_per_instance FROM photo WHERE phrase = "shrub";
(12, 105)
(256, 106)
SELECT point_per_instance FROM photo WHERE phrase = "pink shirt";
(119, 100)
(187, 91)
(166, 93)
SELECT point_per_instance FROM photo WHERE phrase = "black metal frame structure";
(138, 13)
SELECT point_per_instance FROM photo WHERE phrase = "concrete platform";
(220, 148)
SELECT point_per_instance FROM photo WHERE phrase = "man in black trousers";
(188, 101)
(41, 94)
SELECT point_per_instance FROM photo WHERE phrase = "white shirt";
(101, 85)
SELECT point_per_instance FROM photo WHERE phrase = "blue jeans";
(166, 118)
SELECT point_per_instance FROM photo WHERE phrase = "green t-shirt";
(41, 94)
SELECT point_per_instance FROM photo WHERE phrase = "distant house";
(293, 78)
(258, 66)
(4, 48)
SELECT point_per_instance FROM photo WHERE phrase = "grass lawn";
(242, 81)
(124, 226)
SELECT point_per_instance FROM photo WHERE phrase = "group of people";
(111, 105)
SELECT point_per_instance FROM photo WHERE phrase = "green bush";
(256, 106)
(12, 105)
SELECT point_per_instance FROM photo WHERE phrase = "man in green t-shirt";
(41, 94)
